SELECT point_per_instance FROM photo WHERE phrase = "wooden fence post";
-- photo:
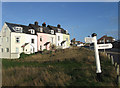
(115, 64)
(118, 69)
(112, 60)
(118, 80)
(108, 56)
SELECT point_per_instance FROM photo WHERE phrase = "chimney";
(35, 23)
(44, 24)
(58, 25)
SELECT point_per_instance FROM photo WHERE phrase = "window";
(1, 39)
(7, 49)
(100, 41)
(18, 29)
(32, 31)
(108, 40)
(52, 31)
(59, 30)
(40, 47)
(66, 31)
(66, 39)
(7, 39)
(41, 38)
(51, 39)
(17, 40)
(58, 38)
(17, 50)
(32, 40)
(41, 29)
(1, 49)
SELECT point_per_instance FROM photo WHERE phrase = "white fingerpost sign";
(93, 39)
(89, 40)
(96, 54)
(105, 46)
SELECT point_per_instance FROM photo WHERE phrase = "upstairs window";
(41, 38)
(59, 30)
(66, 31)
(41, 29)
(17, 39)
(32, 40)
(18, 29)
(1, 49)
(52, 31)
(7, 39)
(66, 39)
(58, 38)
(32, 31)
(52, 40)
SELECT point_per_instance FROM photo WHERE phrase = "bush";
(23, 55)
(44, 50)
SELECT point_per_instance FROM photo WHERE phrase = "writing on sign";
(104, 46)
(89, 40)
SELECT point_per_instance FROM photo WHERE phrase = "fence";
(116, 65)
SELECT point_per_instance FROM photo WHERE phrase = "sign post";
(96, 53)
(93, 39)
(98, 71)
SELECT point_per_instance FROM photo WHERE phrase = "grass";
(70, 67)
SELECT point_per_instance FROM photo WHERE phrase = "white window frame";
(52, 31)
(59, 30)
(41, 29)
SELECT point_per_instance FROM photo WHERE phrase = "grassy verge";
(70, 67)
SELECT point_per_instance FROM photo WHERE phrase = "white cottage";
(14, 37)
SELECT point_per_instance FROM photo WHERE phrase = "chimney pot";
(44, 24)
(36, 23)
(58, 25)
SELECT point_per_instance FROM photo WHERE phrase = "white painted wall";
(58, 42)
(28, 38)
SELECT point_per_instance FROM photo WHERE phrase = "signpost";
(104, 46)
(93, 39)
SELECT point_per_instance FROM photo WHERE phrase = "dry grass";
(69, 67)
(22, 76)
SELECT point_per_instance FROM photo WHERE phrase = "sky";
(81, 19)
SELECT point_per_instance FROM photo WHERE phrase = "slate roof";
(36, 28)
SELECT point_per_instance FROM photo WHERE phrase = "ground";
(69, 67)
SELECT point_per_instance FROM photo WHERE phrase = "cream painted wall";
(5, 42)
(24, 38)
(67, 43)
